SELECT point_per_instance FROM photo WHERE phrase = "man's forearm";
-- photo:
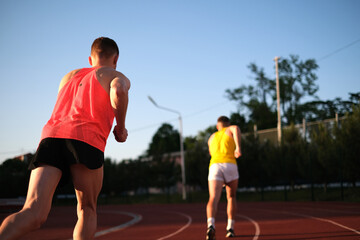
(119, 102)
(120, 112)
(237, 137)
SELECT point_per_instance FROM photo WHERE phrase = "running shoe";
(210, 233)
(230, 233)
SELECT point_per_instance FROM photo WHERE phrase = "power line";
(151, 125)
(206, 109)
(339, 50)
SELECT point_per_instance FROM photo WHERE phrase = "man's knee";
(87, 201)
(87, 212)
(231, 195)
(87, 204)
(38, 216)
(212, 198)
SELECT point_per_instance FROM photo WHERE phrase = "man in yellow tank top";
(224, 148)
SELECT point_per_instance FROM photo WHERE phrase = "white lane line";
(136, 218)
(329, 210)
(181, 229)
(324, 220)
(257, 227)
(315, 218)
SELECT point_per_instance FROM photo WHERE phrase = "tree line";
(329, 153)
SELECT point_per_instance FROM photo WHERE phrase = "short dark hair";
(224, 120)
(104, 47)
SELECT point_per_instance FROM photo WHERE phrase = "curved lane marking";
(316, 218)
(329, 210)
(257, 227)
(181, 229)
(324, 220)
(136, 218)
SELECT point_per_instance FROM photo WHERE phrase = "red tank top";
(82, 111)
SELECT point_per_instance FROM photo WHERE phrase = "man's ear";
(116, 57)
(90, 60)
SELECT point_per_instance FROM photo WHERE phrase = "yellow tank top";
(222, 148)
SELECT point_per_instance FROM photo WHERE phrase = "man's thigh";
(231, 188)
(87, 183)
(42, 185)
(215, 189)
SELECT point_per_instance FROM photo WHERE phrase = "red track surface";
(268, 221)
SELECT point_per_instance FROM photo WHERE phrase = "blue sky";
(184, 54)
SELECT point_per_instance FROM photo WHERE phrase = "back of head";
(224, 121)
(104, 47)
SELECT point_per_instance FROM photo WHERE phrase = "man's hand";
(237, 153)
(120, 134)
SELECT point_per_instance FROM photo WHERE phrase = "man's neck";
(105, 65)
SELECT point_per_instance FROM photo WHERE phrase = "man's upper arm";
(209, 142)
(120, 81)
(235, 130)
(210, 139)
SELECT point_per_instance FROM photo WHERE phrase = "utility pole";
(279, 120)
(278, 100)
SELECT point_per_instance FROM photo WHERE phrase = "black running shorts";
(61, 153)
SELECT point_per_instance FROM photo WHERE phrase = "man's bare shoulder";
(67, 77)
(234, 127)
(108, 73)
(70, 74)
(235, 130)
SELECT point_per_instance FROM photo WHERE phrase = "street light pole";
(182, 158)
(278, 100)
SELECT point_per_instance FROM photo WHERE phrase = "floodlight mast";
(182, 158)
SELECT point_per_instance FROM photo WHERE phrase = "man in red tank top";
(73, 142)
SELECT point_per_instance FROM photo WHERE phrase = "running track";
(268, 221)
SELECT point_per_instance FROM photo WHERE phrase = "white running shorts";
(225, 172)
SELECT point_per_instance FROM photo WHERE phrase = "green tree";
(348, 140)
(319, 110)
(110, 180)
(164, 171)
(324, 141)
(251, 163)
(256, 99)
(165, 140)
(293, 152)
(122, 177)
(297, 81)
(240, 121)
(197, 161)
(14, 178)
